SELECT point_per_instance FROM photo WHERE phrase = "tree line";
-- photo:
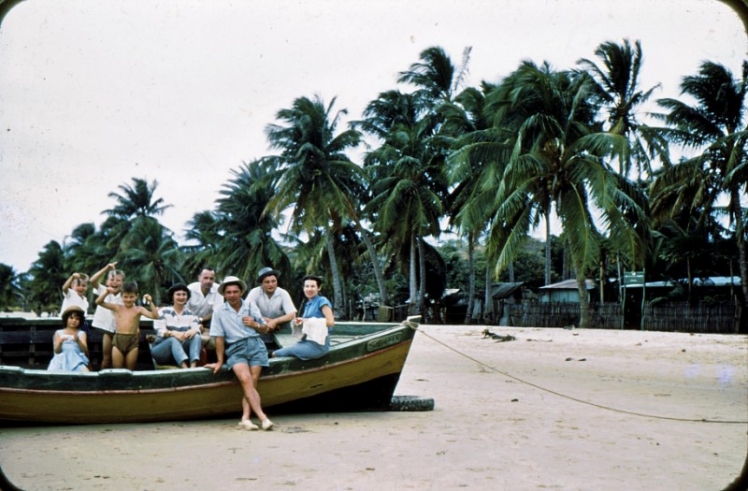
(487, 164)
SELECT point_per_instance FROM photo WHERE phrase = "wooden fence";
(682, 317)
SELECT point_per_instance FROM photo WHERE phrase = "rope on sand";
(581, 401)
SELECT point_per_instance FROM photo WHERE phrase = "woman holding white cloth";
(317, 319)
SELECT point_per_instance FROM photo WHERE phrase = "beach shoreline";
(570, 409)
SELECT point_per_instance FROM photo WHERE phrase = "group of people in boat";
(237, 325)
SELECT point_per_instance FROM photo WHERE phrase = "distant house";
(711, 286)
(565, 291)
(711, 281)
(456, 301)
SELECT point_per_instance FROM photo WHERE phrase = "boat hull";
(360, 372)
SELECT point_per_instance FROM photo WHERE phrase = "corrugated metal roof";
(498, 291)
(504, 290)
(568, 285)
(699, 282)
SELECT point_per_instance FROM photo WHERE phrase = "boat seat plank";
(25, 337)
(284, 339)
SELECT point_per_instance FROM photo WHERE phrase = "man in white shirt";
(273, 302)
(204, 300)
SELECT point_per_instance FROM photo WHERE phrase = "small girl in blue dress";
(70, 343)
(316, 307)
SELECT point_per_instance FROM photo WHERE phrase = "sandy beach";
(552, 409)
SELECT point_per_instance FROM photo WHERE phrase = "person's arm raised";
(153, 312)
(66, 286)
(97, 275)
(100, 300)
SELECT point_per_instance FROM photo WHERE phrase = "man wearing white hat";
(236, 328)
(273, 302)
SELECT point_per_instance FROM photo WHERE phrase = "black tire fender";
(411, 403)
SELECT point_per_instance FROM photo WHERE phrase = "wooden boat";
(359, 373)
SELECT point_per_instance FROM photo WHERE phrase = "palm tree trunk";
(548, 247)
(742, 259)
(585, 319)
(412, 276)
(157, 289)
(690, 279)
(384, 298)
(584, 304)
(339, 307)
(422, 274)
(471, 279)
(602, 282)
(488, 298)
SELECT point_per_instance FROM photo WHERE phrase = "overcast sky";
(96, 92)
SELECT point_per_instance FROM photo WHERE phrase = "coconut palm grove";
(439, 186)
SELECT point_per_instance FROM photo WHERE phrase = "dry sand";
(508, 416)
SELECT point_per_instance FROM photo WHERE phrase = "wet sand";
(552, 409)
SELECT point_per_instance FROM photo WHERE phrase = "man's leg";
(245, 409)
(243, 374)
(266, 423)
(248, 377)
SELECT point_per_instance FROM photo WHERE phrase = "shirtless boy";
(127, 318)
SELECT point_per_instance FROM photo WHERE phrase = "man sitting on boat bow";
(236, 328)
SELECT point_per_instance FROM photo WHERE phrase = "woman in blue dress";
(315, 307)
(70, 343)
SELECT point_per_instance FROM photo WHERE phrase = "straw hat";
(71, 310)
(232, 280)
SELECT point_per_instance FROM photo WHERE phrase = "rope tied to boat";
(571, 398)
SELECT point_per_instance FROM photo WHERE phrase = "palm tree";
(241, 231)
(203, 236)
(616, 87)
(411, 159)
(136, 203)
(406, 180)
(434, 76)
(10, 289)
(48, 276)
(689, 243)
(466, 127)
(715, 128)
(317, 179)
(556, 165)
(85, 249)
(151, 257)
(137, 200)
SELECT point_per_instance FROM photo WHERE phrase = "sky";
(96, 92)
